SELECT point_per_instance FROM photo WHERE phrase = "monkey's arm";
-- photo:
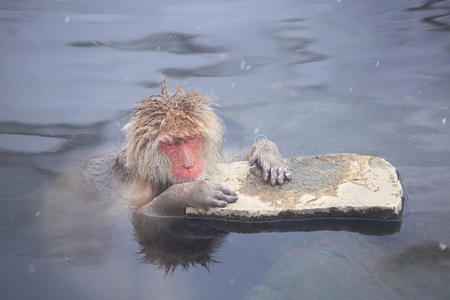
(197, 194)
(265, 154)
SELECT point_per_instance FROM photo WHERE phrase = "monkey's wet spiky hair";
(166, 117)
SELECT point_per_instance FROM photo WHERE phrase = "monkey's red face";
(185, 157)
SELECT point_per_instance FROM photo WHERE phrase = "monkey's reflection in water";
(168, 242)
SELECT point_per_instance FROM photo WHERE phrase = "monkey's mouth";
(188, 173)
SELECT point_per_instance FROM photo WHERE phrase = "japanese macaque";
(172, 138)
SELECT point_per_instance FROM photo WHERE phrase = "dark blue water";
(370, 77)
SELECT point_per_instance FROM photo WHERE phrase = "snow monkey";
(172, 138)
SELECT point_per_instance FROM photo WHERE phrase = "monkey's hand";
(197, 194)
(203, 194)
(265, 154)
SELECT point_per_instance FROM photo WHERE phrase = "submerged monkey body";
(171, 139)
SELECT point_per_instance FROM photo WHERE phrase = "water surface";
(368, 77)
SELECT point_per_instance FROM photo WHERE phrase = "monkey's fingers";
(224, 190)
(287, 175)
(266, 170)
(228, 198)
(217, 203)
(281, 172)
(252, 161)
(273, 176)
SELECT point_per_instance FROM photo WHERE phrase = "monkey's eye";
(169, 143)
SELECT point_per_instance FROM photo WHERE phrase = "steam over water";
(368, 77)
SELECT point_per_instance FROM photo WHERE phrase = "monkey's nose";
(188, 164)
(188, 160)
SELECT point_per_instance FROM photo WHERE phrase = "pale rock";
(324, 186)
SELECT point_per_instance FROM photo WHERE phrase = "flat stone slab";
(324, 186)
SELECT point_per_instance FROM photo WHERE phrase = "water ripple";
(31, 182)
(221, 69)
(172, 42)
(288, 37)
(436, 21)
(32, 138)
